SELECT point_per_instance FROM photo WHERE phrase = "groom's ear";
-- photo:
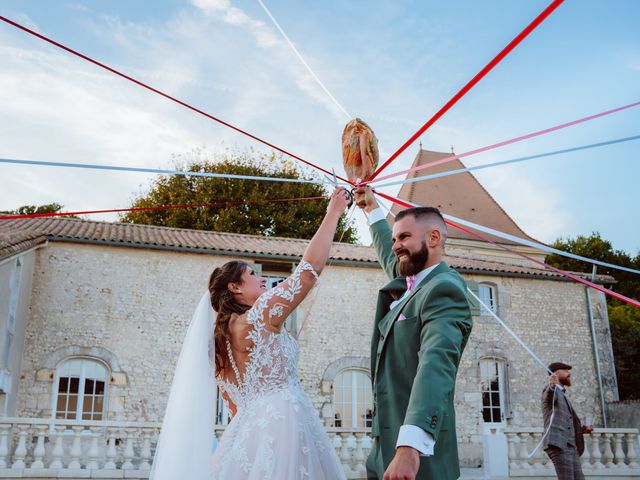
(434, 238)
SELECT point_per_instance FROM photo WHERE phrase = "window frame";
(274, 273)
(81, 390)
(503, 391)
(493, 300)
(366, 402)
(222, 413)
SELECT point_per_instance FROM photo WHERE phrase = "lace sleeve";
(275, 305)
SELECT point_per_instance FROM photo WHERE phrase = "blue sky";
(390, 63)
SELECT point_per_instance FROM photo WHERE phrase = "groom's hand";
(371, 203)
(404, 466)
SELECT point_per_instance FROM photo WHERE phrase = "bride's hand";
(339, 201)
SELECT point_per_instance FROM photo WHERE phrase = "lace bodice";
(273, 361)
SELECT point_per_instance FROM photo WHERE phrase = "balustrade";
(609, 453)
(37, 448)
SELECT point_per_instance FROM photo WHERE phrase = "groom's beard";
(413, 263)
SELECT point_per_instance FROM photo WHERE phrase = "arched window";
(494, 387)
(352, 399)
(488, 295)
(274, 273)
(80, 390)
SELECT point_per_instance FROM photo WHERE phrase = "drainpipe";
(595, 348)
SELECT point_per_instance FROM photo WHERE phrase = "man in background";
(563, 439)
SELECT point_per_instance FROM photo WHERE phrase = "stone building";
(93, 314)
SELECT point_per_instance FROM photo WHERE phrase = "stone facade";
(624, 414)
(130, 307)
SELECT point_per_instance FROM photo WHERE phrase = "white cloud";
(541, 212)
(59, 108)
(80, 7)
(267, 38)
(222, 10)
(211, 6)
(54, 110)
(226, 62)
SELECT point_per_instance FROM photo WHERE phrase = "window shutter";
(473, 303)
(508, 411)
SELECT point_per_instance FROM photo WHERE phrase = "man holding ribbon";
(563, 440)
(416, 348)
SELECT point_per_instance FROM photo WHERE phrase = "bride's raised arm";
(276, 304)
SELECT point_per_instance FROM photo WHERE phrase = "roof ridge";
(418, 161)
(25, 223)
(497, 204)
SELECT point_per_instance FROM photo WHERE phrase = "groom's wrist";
(416, 438)
(408, 451)
(375, 215)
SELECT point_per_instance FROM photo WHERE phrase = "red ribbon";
(479, 76)
(564, 273)
(159, 207)
(165, 95)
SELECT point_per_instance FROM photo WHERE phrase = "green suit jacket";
(414, 362)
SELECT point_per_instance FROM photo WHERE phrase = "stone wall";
(133, 303)
(130, 307)
(624, 414)
(551, 318)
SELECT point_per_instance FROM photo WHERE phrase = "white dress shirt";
(409, 435)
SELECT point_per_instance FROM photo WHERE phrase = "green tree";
(625, 334)
(35, 209)
(594, 246)
(624, 319)
(258, 213)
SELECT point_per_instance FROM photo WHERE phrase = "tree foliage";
(258, 212)
(594, 246)
(625, 334)
(36, 209)
(624, 319)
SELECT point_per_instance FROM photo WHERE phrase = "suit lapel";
(388, 320)
(386, 323)
(398, 284)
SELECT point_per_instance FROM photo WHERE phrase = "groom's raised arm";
(380, 233)
(381, 236)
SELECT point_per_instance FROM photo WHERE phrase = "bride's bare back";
(263, 356)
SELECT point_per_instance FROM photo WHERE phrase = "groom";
(416, 347)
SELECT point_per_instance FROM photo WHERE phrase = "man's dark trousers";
(566, 462)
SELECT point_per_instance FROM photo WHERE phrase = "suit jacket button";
(381, 337)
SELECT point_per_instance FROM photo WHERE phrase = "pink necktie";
(411, 280)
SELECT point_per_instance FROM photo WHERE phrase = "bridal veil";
(187, 438)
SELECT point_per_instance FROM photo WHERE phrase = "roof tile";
(21, 234)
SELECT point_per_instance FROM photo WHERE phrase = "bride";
(275, 432)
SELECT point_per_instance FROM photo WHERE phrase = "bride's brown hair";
(225, 304)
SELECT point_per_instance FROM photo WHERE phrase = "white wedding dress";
(276, 433)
